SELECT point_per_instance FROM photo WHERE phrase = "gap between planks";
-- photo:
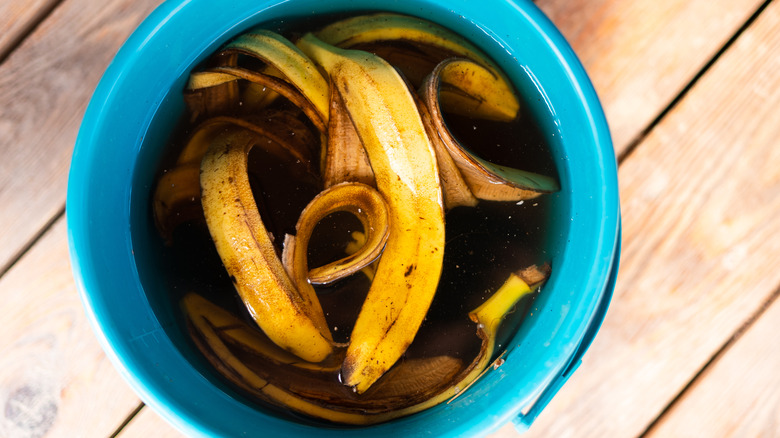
(33, 240)
(633, 144)
(714, 359)
(127, 420)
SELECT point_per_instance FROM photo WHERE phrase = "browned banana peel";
(486, 180)
(261, 368)
(210, 94)
(291, 316)
(454, 188)
(345, 159)
(360, 200)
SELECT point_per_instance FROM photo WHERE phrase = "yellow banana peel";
(291, 316)
(404, 164)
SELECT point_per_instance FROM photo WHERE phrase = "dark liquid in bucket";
(484, 244)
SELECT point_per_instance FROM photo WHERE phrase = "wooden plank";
(48, 81)
(147, 423)
(640, 54)
(739, 395)
(700, 201)
(17, 17)
(54, 378)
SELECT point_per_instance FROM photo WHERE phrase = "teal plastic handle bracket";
(524, 420)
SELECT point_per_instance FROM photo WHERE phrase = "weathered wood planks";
(640, 54)
(739, 395)
(45, 85)
(54, 378)
(17, 18)
(700, 201)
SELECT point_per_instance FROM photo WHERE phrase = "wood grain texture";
(17, 17)
(54, 378)
(739, 395)
(701, 249)
(148, 424)
(640, 54)
(45, 85)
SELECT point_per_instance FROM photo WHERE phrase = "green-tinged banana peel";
(411, 386)
(279, 53)
(363, 202)
(291, 316)
(486, 180)
(404, 164)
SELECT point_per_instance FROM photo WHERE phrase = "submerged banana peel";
(291, 316)
(176, 197)
(411, 386)
(386, 119)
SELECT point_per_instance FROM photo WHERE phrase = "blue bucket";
(114, 246)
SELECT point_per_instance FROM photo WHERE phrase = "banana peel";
(412, 44)
(373, 130)
(411, 386)
(291, 316)
(360, 200)
(385, 116)
(288, 62)
(479, 92)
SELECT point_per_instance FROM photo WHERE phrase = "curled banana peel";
(385, 116)
(360, 200)
(291, 316)
(211, 94)
(479, 91)
(412, 385)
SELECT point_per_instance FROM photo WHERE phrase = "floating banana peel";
(412, 385)
(291, 316)
(360, 200)
(380, 152)
(411, 44)
(386, 119)
(473, 88)
(292, 65)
